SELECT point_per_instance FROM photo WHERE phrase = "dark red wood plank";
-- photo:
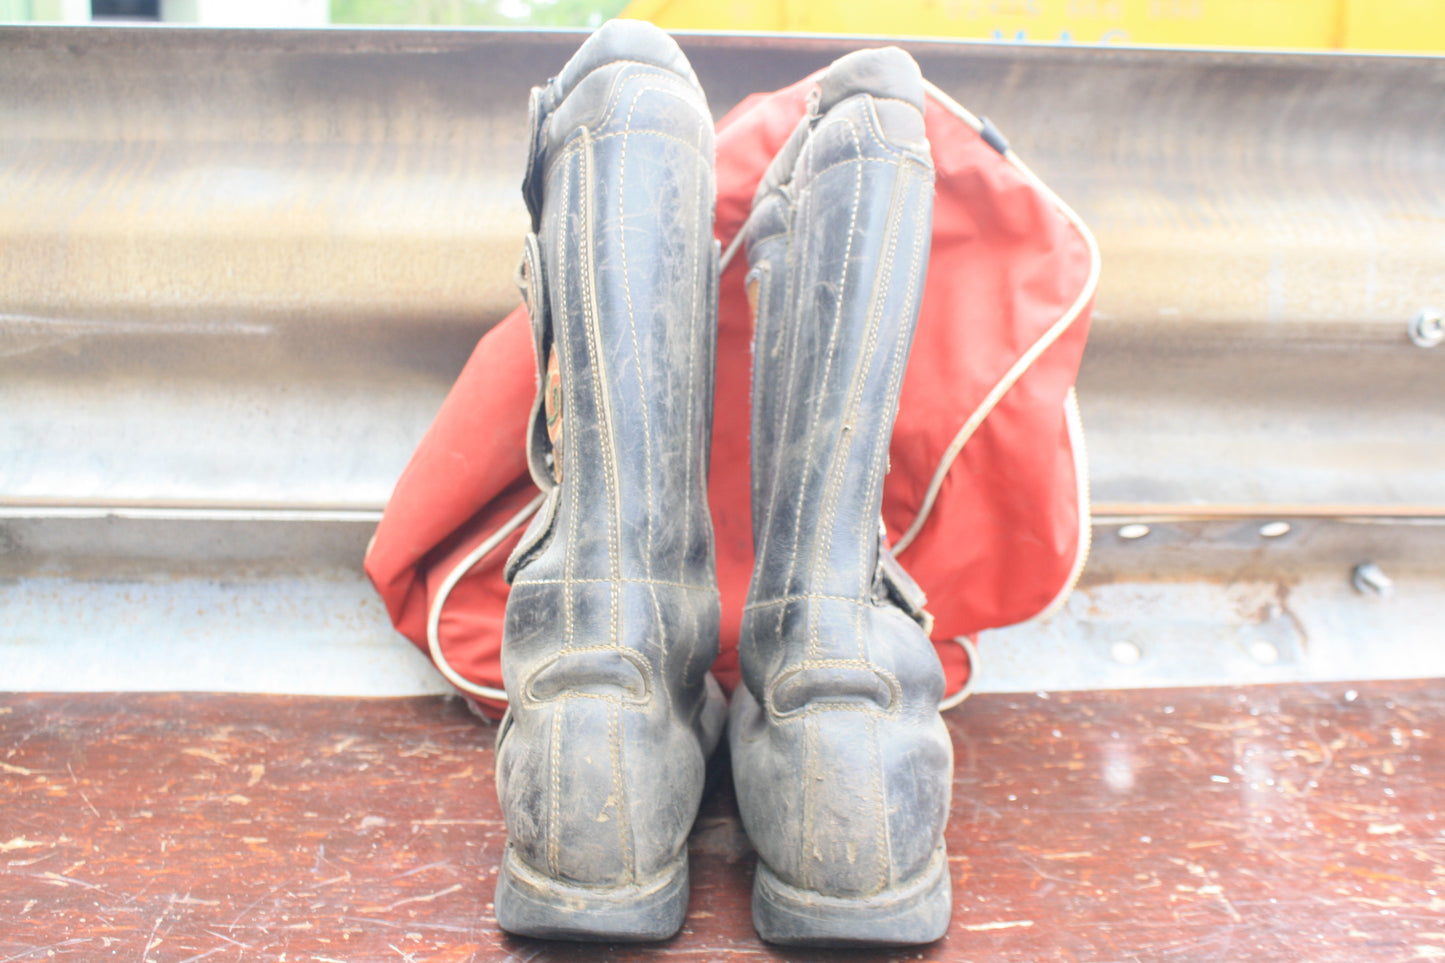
(1271, 823)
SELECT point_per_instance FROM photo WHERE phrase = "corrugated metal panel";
(1380, 25)
(239, 271)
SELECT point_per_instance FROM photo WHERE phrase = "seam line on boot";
(619, 794)
(691, 147)
(831, 353)
(569, 599)
(643, 404)
(798, 247)
(617, 581)
(880, 802)
(899, 362)
(554, 834)
(601, 383)
(860, 376)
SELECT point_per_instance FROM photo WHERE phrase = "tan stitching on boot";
(899, 362)
(652, 133)
(690, 415)
(691, 412)
(806, 774)
(569, 597)
(791, 334)
(827, 370)
(679, 88)
(880, 807)
(882, 281)
(637, 661)
(819, 711)
(555, 815)
(834, 469)
(641, 382)
(895, 689)
(906, 176)
(808, 597)
(619, 794)
(881, 161)
(875, 126)
(632, 324)
(623, 581)
(601, 389)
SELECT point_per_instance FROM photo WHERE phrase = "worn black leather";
(842, 763)
(612, 621)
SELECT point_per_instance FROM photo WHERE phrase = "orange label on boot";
(552, 407)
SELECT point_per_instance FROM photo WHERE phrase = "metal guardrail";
(240, 269)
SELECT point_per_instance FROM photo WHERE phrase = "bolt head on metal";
(1274, 529)
(1370, 579)
(1265, 653)
(1125, 652)
(1133, 531)
(1427, 329)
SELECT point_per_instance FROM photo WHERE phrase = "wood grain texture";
(1270, 823)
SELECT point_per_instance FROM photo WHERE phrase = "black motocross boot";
(612, 621)
(842, 764)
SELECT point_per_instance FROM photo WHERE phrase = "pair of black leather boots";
(840, 759)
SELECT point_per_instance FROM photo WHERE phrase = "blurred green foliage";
(479, 13)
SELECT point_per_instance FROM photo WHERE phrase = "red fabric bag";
(986, 502)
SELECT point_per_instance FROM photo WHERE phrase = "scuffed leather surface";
(612, 620)
(841, 760)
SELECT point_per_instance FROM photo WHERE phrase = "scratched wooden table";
(1273, 823)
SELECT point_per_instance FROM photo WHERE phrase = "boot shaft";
(612, 619)
(838, 251)
(841, 762)
(623, 156)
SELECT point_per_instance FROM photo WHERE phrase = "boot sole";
(528, 903)
(914, 912)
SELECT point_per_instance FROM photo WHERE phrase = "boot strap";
(893, 584)
(532, 282)
(532, 180)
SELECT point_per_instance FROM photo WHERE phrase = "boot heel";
(528, 903)
(915, 911)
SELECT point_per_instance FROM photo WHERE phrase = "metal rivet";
(1265, 653)
(1427, 329)
(1126, 653)
(1274, 529)
(1133, 531)
(1370, 579)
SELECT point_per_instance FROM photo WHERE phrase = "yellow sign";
(1377, 25)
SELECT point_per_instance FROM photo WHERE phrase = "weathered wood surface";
(1272, 823)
